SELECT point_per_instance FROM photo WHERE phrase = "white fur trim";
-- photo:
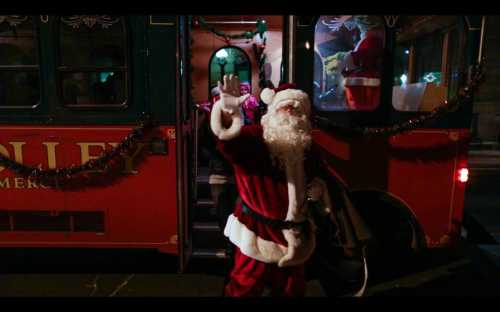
(292, 94)
(267, 95)
(217, 126)
(296, 191)
(361, 81)
(250, 244)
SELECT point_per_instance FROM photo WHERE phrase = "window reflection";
(430, 69)
(19, 70)
(401, 61)
(99, 88)
(348, 62)
(92, 46)
(428, 58)
(230, 60)
(93, 62)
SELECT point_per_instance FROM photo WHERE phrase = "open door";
(213, 191)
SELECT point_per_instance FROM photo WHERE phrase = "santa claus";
(270, 226)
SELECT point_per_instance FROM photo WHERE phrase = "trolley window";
(19, 64)
(93, 61)
(426, 63)
(348, 62)
(230, 60)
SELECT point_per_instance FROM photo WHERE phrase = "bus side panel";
(29, 146)
(417, 168)
(359, 163)
(422, 172)
(458, 199)
(138, 208)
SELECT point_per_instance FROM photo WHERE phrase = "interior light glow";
(403, 78)
(463, 175)
(222, 53)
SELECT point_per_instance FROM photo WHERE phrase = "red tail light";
(463, 175)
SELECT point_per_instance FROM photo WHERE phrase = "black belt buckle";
(290, 224)
(274, 223)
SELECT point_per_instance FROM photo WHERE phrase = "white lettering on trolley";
(88, 151)
(18, 152)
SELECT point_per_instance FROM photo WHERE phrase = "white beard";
(287, 136)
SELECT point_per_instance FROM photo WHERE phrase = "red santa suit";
(362, 82)
(263, 188)
(256, 226)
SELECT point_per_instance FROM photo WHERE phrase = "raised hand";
(230, 94)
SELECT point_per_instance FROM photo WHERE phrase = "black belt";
(271, 222)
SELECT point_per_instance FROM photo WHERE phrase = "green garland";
(63, 176)
(261, 28)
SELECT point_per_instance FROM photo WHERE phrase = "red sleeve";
(243, 145)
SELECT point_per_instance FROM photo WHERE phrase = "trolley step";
(204, 211)
(209, 253)
(203, 189)
(205, 202)
(206, 226)
(208, 236)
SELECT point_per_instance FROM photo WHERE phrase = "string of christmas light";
(108, 160)
(464, 96)
(261, 28)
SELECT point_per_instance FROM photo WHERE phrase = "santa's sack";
(339, 260)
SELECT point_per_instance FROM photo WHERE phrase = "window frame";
(457, 119)
(210, 63)
(415, 49)
(445, 66)
(385, 114)
(142, 49)
(28, 68)
(346, 114)
(61, 69)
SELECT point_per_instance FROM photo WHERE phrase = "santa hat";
(286, 91)
(267, 95)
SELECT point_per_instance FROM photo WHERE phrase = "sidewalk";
(483, 198)
(486, 238)
(492, 250)
(120, 285)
